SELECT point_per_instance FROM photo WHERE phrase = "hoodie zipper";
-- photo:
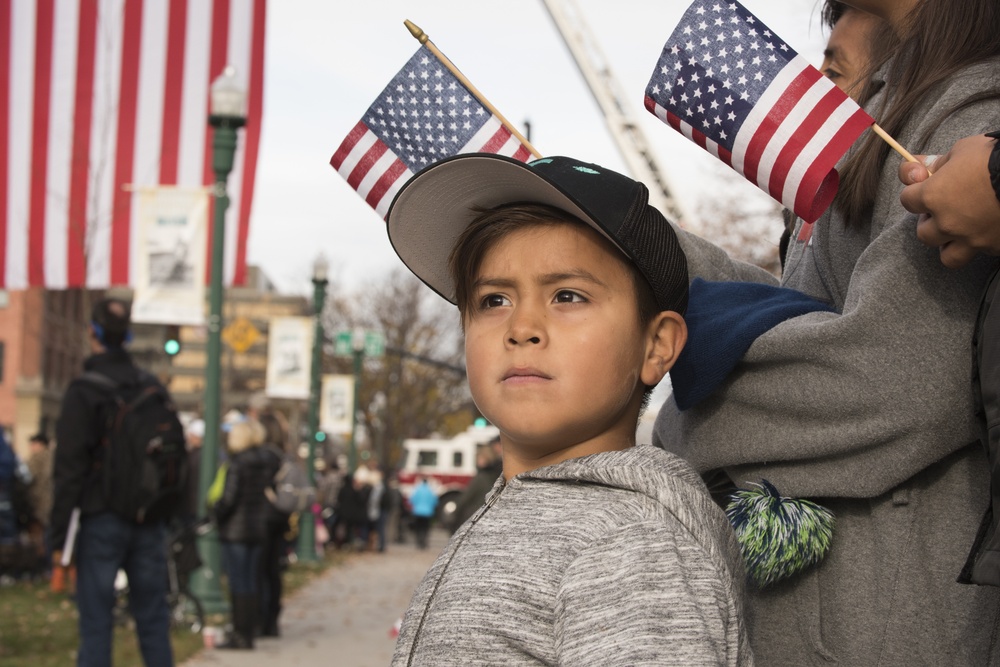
(444, 570)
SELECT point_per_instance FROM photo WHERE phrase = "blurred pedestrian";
(423, 503)
(40, 495)
(274, 554)
(241, 516)
(351, 512)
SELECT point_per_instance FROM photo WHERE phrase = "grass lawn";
(38, 628)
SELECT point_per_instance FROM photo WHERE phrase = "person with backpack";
(118, 475)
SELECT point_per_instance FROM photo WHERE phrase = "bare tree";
(742, 220)
(418, 388)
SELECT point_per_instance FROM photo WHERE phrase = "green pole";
(306, 550)
(352, 452)
(205, 580)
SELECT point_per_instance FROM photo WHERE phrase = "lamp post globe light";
(306, 550)
(227, 114)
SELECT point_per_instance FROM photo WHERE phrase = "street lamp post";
(358, 347)
(307, 522)
(227, 114)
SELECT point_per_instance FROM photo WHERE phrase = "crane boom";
(625, 132)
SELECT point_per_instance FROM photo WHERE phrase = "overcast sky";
(327, 61)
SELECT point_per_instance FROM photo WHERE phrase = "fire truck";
(449, 465)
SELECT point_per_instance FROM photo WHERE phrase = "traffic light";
(480, 422)
(172, 340)
(320, 436)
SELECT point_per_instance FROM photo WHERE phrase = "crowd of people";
(834, 496)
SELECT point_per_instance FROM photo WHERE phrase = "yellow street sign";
(240, 335)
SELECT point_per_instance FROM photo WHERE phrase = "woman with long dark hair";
(868, 410)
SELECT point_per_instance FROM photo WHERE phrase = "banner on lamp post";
(289, 354)
(336, 405)
(171, 248)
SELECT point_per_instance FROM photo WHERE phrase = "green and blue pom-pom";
(778, 536)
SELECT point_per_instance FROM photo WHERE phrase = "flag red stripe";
(522, 153)
(818, 190)
(776, 115)
(173, 92)
(348, 144)
(128, 102)
(366, 163)
(384, 182)
(499, 138)
(794, 145)
(217, 63)
(83, 109)
(41, 104)
(255, 113)
(5, 57)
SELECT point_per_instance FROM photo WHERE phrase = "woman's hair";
(937, 39)
(244, 435)
(493, 225)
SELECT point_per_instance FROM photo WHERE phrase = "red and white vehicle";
(449, 465)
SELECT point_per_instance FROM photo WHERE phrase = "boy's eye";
(493, 301)
(567, 296)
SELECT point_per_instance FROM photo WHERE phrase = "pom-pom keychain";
(778, 536)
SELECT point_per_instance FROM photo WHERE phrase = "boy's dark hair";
(111, 319)
(40, 438)
(492, 225)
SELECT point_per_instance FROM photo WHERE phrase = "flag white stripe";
(60, 142)
(149, 115)
(763, 108)
(481, 137)
(103, 141)
(350, 162)
(194, 125)
(21, 73)
(815, 146)
(375, 172)
(792, 121)
(382, 208)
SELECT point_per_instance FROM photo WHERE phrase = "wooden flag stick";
(422, 37)
(895, 144)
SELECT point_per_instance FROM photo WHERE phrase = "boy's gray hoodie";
(619, 558)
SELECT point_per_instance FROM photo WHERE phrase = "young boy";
(960, 215)
(589, 550)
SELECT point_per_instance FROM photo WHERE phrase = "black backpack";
(143, 463)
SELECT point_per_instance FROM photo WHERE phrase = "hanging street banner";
(289, 357)
(170, 264)
(336, 405)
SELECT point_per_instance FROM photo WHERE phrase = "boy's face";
(554, 348)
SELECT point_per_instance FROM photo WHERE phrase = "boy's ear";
(665, 338)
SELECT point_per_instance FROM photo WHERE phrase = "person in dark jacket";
(273, 553)
(351, 511)
(241, 515)
(960, 214)
(106, 542)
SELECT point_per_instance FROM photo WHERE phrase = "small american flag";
(425, 114)
(728, 83)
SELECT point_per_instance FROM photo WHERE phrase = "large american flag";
(102, 97)
(425, 114)
(731, 85)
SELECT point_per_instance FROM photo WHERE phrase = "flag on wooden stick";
(425, 114)
(728, 83)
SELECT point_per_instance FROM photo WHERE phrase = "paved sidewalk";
(343, 618)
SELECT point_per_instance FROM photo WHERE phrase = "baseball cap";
(435, 206)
